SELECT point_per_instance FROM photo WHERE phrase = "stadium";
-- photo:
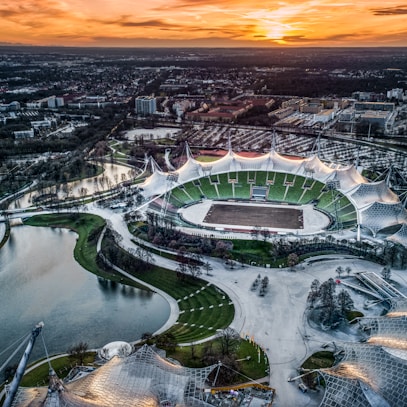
(277, 193)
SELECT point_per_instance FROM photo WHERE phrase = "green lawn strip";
(181, 290)
(215, 317)
(62, 366)
(351, 315)
(88, 228)
(219, 317)
(252, 250)
(318, 360)
(192, 317)
(207, 158)
(190, 303)
(250, 368)
(195, 334)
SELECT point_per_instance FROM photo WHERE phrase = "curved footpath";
(174, 309)
(276, 321)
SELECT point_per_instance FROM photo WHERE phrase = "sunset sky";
(213, 23)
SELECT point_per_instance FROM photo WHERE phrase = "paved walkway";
(275, 321)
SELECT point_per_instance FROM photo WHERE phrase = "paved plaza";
(277, 321)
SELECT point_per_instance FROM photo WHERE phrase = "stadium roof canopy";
(374, 373)
(401, 235)
(143, 379)
(377, 206)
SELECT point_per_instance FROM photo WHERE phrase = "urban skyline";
(209, 23)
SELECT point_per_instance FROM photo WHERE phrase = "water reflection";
(111, 176)
(40, 281)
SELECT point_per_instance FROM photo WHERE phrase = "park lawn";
(190, 296)
(250, 369)
(203, 307)
(351, 315)
(207, 158)
(252, 250)
(61, 366)
(83, 224)
(88, 227)
(319, 360)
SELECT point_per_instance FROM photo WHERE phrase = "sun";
(276, 31)
(273, 30)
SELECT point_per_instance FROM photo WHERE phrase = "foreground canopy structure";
(374, 373)
(143, 379)
(376, 205)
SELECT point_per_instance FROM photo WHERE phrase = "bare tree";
(207, 267)
(313, 294)
(78, 352)
(345, 302)
(228, 340)
(292, 260)
(181, 270)
(386, 273)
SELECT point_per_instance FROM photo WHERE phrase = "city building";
(396, 93)
(7, 107)
(374, 106)
(145, 105)
(54, 102)
(23, 134)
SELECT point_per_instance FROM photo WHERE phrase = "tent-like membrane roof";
(400, 236)
(372, 374)
(143, 379)
(376, 205)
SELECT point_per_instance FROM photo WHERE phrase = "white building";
(145, 105)
(22, 134)
(324, 116)
(395, 94)
(54, 102)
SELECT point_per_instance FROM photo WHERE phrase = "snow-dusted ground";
(151, 134)
(277, 321)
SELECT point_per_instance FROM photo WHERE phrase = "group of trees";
(224, 351)
(189, 265)
(162, 232)
(340, 270)
(138, 259)
(261, 284)
(325, 306)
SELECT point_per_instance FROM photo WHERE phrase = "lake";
(41, 281)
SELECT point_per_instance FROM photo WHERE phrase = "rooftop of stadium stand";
(371, 205)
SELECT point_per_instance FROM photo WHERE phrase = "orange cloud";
(390, 11)
(219, 22)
